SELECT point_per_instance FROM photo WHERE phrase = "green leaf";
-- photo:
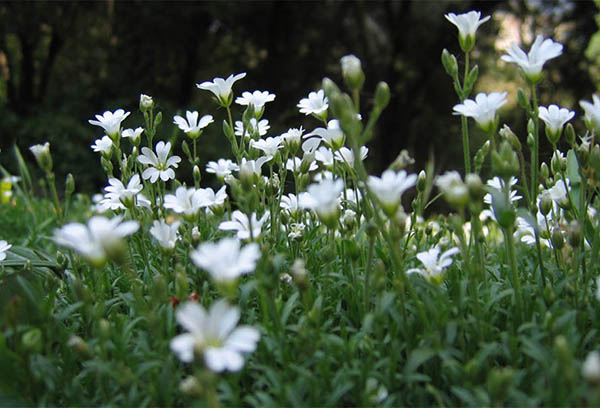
(417, 358)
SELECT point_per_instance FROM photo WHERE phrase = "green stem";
(464, 124)
(536, 148)
(510, 253)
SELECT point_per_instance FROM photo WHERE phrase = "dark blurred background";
(63, 62)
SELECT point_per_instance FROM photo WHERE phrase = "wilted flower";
(165, 234)
(482, 109)
(222, 167)
(555, 118)
(160, 163)
(226, 260)
(100, 239)
(467, 24)
(532, 63)
(259, 127)
(4, 246)
(389, 188)
(352, 71)
(221, 88)
(103, 145)
(214, 335)
(592, 112)
(316, 103)
(110, 122)
(246, 227)
(191, 125)
(434, 263)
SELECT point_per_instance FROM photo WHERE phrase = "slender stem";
(536, 148)
(510, 253)
(464, 124)
(368, 272)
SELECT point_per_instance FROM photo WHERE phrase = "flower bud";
(545, 203)
(575, 234)
(197, 175)
(523, 100)
(32, 340)
(475, 186)
(421, 181)
(508, 135)
(450, 64)
(352, 72)
(591, 367)
(146, 102)
(570, 134)
(300, 275)
(557, 239)
(382, 95)
(42, 156)
(190, 386)
(481, 155)
(79, 345)
(544, 172)
(69, 186)
(505, 162)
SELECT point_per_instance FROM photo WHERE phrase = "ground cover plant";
(301, 280)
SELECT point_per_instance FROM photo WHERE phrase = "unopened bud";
(69, 185)
(79, 345)
(544, 172)
(475, 186)
(570, 134)
(575, 234)
(32, 340)
(146, 102)
(545, 203)
(42, 156)
(450, 64)
(300, 275)
(421, 181)
(382, 95)
(197, 175)
(557, 239)
(510, 137)
(352, 72)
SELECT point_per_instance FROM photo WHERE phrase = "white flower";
(117, 190)
(293, 136)
(261, 127)
(389, 188)
(103, 145)
(323, 199)
(226, 260)
(290, 204)
(213, 199)
(532, 63)
(558, 192)
(482, 109)
(187, 201)
(434, 263)
(295, 165)
(592, 112)
(146, 102)
(454, 189)
(269, 146)
(332, 136)
(160, 163)
(497, 183)
(555, 118)
(351, 66)
(256, 98)
(4, 246)
(165, 234)
(110, 122)
(246, 227)
(467, 23)
(316, 103)
(215, 335)
(134, 135)
(253, 166)
(591, 367)
(324, 155)
(347, 155)
(39, 151)
(99, 239)
(222, 167)
(221, 88)
(190, 124)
